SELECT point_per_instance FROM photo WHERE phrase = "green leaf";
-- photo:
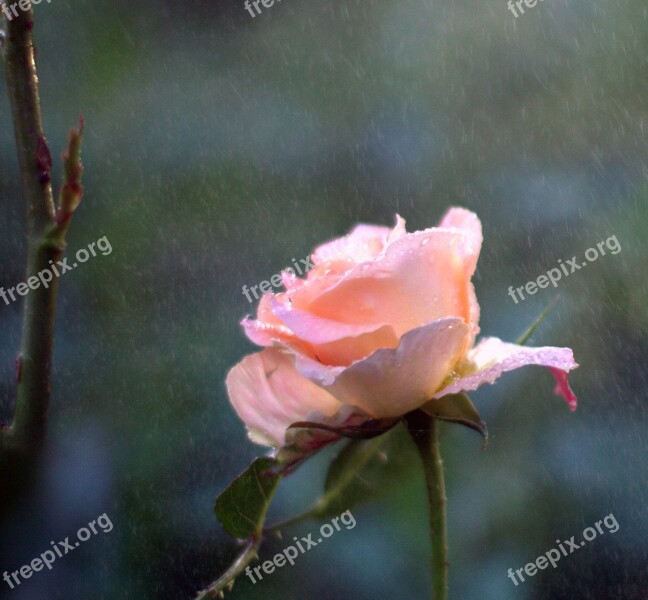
(529, 332)
(363, 469)
(456, 408)
(242, 507)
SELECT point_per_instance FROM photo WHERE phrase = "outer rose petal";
(290, 280)
(470, 225)
(563, 388)
(492, 357)
(267, 327)
(392, 382)
(269, 395)
(467, 222)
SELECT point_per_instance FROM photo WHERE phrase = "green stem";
(277, 527)
(226, 581)
(332, 494)
(425, 433)
(27, 432)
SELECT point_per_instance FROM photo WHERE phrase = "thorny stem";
(24, 439)
(226, 581)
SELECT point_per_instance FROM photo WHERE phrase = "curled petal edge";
(492, 357)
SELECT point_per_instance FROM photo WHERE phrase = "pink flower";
(385, 321)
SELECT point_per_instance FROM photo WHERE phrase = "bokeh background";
(219, 147)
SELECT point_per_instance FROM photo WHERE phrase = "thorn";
(18, 365)
(43, 160)
(230, 585)
(278, 535)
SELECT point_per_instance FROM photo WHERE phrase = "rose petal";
(470, 226)
(317, 330)
(333, 259)
(418, 279)
(332, 342)
(563, 388)
(290, 280)
(269, 395)
(392, 382)
(267, 327)
(492, 357)
(363, 243)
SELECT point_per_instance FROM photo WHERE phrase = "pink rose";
(385, 321)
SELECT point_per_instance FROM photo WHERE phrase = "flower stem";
(277, 527)
(425, 433)
(34, 361)
(226, 581)
(20, 444)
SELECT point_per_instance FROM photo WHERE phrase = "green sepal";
(457, 408)
(365, 431)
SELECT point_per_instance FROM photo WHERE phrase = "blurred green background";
(218, 147)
